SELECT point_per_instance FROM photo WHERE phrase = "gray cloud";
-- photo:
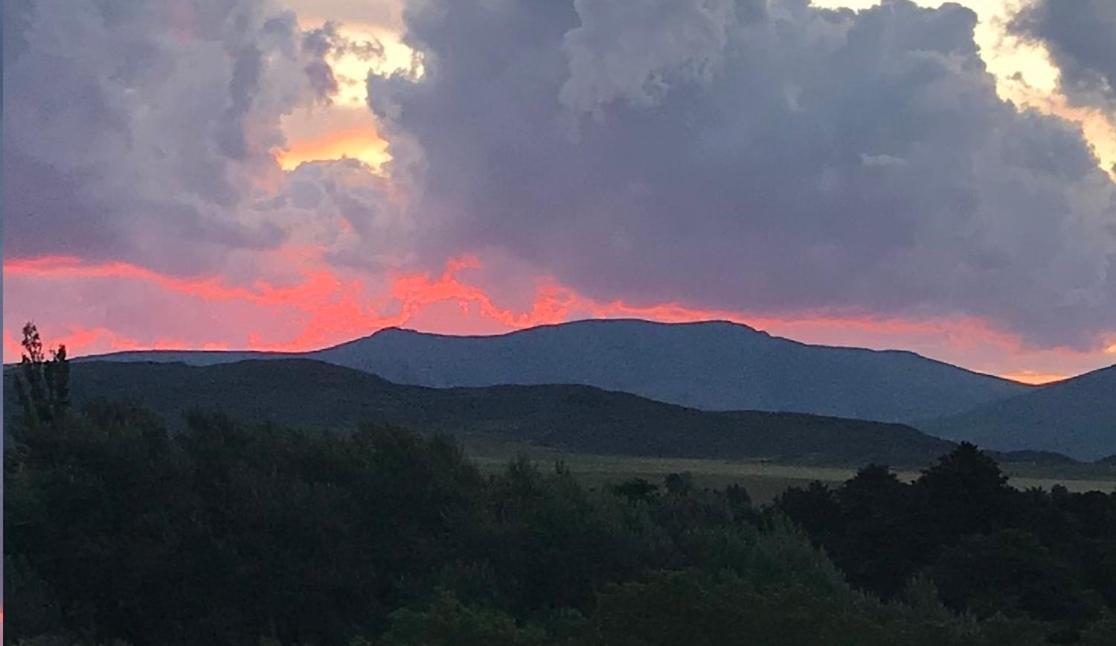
(1081, 37)
(341, 207)
(759, 155)
(142, 131)
(766, 156)
(663, 37)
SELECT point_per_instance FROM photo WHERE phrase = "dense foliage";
(986, 547)
(312, 394)
(119, 531)
(229, 533)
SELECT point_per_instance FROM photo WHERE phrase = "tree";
(881, 545)
(636, 489)
(964, 493)
(42, 385)
(679, 484)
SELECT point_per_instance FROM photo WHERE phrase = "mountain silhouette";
(1075, 416)
(711, 365)
(313, 394)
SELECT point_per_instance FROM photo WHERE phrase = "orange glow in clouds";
(356, 143)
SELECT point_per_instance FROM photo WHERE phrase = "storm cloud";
(761, 156)
(145, 131)
(756, 156)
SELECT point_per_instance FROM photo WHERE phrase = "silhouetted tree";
(882, 544)
(1009, 571)
(637, 489)
(965, 492)
(815, 509)
(679, 484)
(42, 385)
(234, 533)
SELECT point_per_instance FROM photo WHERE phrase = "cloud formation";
(1081, 37)
(147, 132)
(763, 160)
(763, 156)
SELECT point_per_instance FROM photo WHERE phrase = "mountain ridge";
(1075, 416)
(306, 393)
(710, 365)
(109, 356)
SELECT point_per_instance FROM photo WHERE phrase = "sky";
(290, 174)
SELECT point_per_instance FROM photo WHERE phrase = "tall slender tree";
(42, 385)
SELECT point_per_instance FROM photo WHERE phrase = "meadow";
(763, 480)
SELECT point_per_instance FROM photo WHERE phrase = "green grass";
(763, 480)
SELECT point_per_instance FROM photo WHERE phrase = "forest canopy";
(231, 532)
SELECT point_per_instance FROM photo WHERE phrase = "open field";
(763, 480)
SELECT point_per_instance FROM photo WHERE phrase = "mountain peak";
(711, 365)
(615, 323)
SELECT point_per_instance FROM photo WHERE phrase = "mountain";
(1076, 417)
(309, 393)
(710, 365)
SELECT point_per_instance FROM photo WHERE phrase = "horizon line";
(1024, 377)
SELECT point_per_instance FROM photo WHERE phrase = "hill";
(1076, 417)
(709, 365)
(576, 418)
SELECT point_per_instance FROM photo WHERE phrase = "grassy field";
(763, 480)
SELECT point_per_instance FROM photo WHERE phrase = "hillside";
(1076, 417)
(576, 418)
(710, 365)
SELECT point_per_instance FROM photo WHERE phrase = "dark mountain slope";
(577, 418)
(710, 365)
(1076, 417)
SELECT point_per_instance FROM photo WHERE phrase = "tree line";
(229, 532)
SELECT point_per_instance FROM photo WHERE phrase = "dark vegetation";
(312, 394)
(226, 532)
(987, 548)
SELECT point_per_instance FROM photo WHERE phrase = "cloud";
(625, 49)
(752, 156)
(764, 156)
(147, 132)
(346, 212)
(1081, 37)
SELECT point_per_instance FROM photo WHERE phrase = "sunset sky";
(291, 174)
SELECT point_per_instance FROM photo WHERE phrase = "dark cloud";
(757, 155)
(142, 131)
(1081, 37)
(765, 156)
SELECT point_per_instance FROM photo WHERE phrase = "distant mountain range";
(720, 366)
(306, 393)
(710, 365)
(1076, 417)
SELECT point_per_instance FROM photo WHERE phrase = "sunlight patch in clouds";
(345, 127)
(1024, 71)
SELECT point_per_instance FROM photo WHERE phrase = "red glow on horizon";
(325, 307)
